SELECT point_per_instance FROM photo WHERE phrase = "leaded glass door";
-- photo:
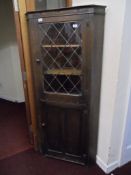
(61, 49)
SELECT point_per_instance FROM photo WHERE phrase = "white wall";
(122, 90)
(126, 146)
(128, 141)
(87, 2)
(11, 87)
(114, 82)
(125, 87)
(110, 128)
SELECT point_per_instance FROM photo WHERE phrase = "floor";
(17, 157)
(32, 163)
(13, 129)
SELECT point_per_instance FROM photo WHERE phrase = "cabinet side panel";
(97, 27)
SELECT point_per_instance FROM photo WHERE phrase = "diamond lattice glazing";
(61, 57)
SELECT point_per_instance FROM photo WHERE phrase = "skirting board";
(106, 168)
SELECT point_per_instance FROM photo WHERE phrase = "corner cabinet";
(66, 56)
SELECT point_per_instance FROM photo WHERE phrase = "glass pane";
(40, 4)
(61, 48)
(49, 4)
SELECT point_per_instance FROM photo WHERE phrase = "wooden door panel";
(54, 128)
(63, 131)
(73, 132)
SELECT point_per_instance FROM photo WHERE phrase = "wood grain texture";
(22, 61)
(30, 5)
(96, 27)
(69, 3)
(26, 52)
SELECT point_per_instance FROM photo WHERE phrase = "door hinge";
(16, 5)
(24, 76)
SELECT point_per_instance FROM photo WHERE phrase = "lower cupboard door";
(54, 118)
(74, 133)
(64, 133)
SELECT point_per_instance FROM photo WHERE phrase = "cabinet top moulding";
(78, 10)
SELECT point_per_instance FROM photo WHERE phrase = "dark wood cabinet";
(66, 55)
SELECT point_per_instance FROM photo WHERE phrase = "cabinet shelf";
(61, 46)
(67, 71)
(62, 94)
